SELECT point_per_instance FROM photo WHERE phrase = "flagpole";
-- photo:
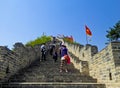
(86, 35)
(86, 39)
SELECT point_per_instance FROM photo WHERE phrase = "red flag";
(88, 32)
(70, 39)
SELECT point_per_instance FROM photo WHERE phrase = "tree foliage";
(114, 33)
(39, 40)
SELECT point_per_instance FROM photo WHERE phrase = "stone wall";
(11, 61)
(116, 57)
(82, 66)
(80, 56)
(103, 65)
(83, 52)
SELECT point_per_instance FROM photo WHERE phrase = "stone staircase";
(45, 74)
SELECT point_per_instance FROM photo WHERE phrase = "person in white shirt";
(43, 51)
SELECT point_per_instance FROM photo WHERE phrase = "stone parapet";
(82, 66)
(11, 61)
(103, 65)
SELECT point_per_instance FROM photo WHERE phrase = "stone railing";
(81, 55)
(82, 66)
(11, 61)
(84, 53)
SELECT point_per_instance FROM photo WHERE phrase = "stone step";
(54, 78)
(53, 85)
(52, 73)
(48, 71)
(50, 68)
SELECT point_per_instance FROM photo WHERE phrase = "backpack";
(43, 49)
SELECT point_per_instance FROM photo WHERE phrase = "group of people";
(56, 52)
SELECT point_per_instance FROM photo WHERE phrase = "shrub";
(39, 40)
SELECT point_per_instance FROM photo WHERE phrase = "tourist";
(63, 65)
(43, 51)
(55, 54)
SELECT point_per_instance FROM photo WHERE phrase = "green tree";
(114, 33)
(39, 40)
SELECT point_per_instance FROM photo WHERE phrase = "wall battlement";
(13, 61)
(103, 65)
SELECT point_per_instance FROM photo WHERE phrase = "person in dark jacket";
(64, 51)
(55, 55)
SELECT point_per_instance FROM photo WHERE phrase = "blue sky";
(25, 20)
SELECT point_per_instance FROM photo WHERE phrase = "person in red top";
(64, 51)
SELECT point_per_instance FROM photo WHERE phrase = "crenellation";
(103, 65)
(12, 61)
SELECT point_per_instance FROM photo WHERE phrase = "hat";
(64, 45)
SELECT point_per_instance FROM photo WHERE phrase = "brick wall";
(11, 61)
(103, 65)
